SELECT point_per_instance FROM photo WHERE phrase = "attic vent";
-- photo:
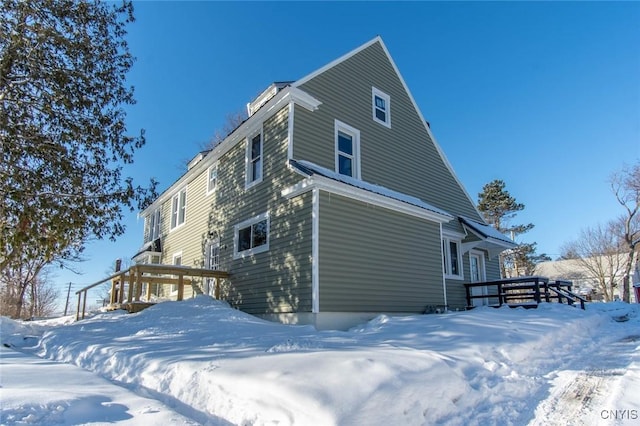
(265, 96)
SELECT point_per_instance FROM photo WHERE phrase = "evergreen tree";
(63, 138)
(498, 207)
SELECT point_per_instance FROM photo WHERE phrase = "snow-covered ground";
(201, 362)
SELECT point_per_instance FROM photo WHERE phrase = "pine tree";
(498, 207)
(63, 138)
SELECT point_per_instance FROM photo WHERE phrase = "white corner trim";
(315, 251)
(444, 272)
(290, 132)
(302, 98)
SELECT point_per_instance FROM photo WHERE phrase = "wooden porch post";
(131, 283)
(78, 307)
(467, 290)
(149, 291)
(216, 292)
(180, 286)
(84, 303)
(138, 283)
(113, 295)
(121, 291)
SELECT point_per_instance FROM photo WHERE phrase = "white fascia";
(285, 96)
(329, 185)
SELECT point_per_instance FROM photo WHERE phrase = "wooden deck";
(130, 282)
(523, 291)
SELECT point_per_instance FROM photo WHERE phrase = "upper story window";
(212, 178)
(254, 160)
(152, 226)
(452, 258)
(251, 236)
(178, 208)
(381, 105)
(347, 150)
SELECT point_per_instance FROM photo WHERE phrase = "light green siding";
(278, 280)
(402, 158)
(372, 259)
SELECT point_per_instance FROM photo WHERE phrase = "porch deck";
(523, 291)
(147, 275)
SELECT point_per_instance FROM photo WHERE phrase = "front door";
(476, 263)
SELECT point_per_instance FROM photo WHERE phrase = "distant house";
(585, 278)
(330, 204)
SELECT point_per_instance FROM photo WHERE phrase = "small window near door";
(452, 258)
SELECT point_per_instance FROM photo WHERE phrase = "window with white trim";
(152, 226)
(347, 148)
(212, 178)
(452, 258)
(178, 208)
(381, 107)
(251, 236)
(254, 160)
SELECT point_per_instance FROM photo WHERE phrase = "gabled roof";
(486, 231)
(427, 127)
(490, 239)
(332, 181)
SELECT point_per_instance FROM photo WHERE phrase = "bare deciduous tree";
(625, 185)
(597, 251)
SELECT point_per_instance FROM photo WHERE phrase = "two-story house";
(330, 204)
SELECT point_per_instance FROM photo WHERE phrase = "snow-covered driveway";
(215, 365)
(34, 391)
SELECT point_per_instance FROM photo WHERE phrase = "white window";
(212, 262)
(254, 160)
(178, 208)
(381, 107)
(251, 236)
(212, 178)
(213, 255)
(452, 258)
(152, 226)
(347, 150)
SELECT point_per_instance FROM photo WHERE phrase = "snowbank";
(486, 366)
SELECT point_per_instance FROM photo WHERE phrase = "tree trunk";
(20, 300)
(627, 275)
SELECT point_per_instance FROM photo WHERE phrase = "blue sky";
(545, 96)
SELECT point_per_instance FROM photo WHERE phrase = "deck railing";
(139, 275)
(523, 291)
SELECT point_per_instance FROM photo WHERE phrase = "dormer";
(199, 156)
(265, 96)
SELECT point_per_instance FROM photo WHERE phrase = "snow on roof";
(487, 231)
(310, 169)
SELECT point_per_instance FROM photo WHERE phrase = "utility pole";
(66, 305)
